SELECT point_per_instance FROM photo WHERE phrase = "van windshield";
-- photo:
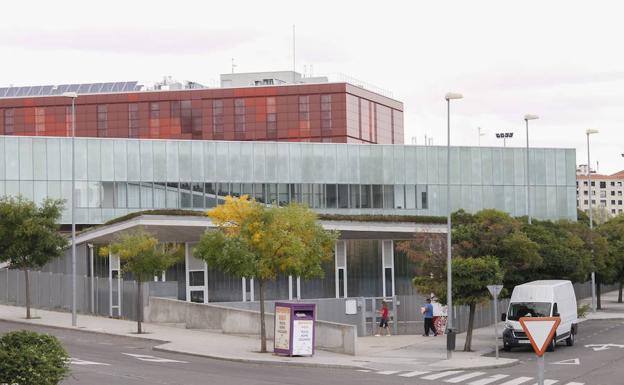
(528, 309)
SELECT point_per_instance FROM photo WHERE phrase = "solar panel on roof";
(73, 88)
(35, 91)
(46, 90)
(86, 88)
(106, 87)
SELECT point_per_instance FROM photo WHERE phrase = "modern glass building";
(118, 176)
(115, 177)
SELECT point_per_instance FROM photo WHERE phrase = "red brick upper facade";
(325, 112)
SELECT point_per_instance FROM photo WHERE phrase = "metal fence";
(53, 291)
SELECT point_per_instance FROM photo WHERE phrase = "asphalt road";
(596, 359)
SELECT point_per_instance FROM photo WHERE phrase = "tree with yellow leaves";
(144, 257)
(260, 242)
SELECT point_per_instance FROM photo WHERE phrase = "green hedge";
(28, 358)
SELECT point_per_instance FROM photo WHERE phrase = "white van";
(548, 298)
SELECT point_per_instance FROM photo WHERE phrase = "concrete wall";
(331, 336)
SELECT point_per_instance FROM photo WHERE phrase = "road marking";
(485, 381)
(436, 376)
(600, 347)
(575, 383)
(464, 377)
(412, 374)
(571, 361)
(363, 370)
(517, 381)
(147, 358)
(387, 372)
(548, 382)
(78, 361)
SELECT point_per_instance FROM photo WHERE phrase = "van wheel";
(570, 340)
(553, 344)
(507, 347)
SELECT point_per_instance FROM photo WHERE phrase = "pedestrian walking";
(383, 324)
(427, 311)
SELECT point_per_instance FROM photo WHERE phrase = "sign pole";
(540, 370)
(495, 291)
(496, 327)
(541, 331)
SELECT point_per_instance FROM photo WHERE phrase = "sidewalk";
(403, 352)
(611, 309)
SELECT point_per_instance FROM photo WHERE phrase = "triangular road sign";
(571, 361)
(540, 331)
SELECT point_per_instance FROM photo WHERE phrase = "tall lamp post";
(591, 217)
(528, 117)
(450, 336)
(73, 97)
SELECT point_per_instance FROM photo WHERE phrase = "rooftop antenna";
(293, 53)
(233, 65)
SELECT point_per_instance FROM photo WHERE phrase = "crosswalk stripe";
(464, 377)
(387, 372)
(575, 383)
(488, 380)
(363, 370)
(412, 374)
(436, 376)
(548, 382)
(517, 381)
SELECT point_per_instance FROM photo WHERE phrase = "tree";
(493, 232)
(613, 231)
(29, 235)
(141, 255)
(565, 254)
(470, 279)
(260, 242)
(29, 358)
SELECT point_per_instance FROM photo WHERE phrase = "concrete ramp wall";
(331, 336)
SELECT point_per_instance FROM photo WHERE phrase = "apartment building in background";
(607, 191)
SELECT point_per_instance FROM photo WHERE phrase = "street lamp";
(591, 217)
(73, 97)
(449, 276)
(528, 117)
(479, 129)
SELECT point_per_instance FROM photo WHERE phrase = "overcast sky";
(561, 60)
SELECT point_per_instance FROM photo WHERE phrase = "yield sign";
(540, 331)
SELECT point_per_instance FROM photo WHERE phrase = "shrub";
(29, 358)
(582, 310)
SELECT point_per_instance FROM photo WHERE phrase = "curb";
(83, 330)
(258, 361)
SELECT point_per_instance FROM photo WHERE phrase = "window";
(217, 116)
(102, 120)
(154, 121)
(603, 194)
(326, 112)
(239, 115)
(304, 110)
(585, 192)
(593, 184)
(603, 184)
(133, 120)
(612, 193)
(196, 278)
(619, 193)
(271, 118)
(603, 203)
(612, 183)
(585, 202)
(9, 121)
(619, 202)
(612, 211)
(585, 183)
(39, 120)
(619, 184)
(186, 118)
(613, 202)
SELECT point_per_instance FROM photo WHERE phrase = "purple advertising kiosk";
(294, 329)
